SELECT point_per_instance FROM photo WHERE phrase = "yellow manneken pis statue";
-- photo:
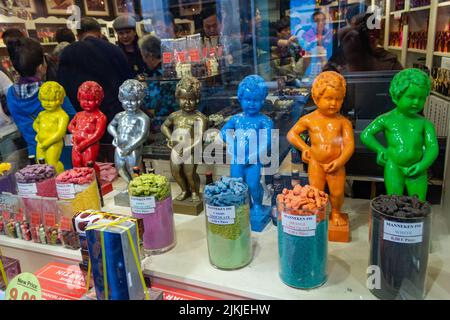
(51, 124)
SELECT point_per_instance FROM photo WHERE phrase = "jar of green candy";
(151, 200)
(228, 223)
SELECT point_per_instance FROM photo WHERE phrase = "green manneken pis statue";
(411, 139)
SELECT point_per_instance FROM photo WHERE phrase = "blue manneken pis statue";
(246, 141)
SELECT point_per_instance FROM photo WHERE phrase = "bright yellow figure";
(51, 124)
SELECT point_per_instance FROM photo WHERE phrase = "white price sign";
(27, 189)
(403, 232)
(142, 205)
(220, 215)
(297, 225)
(65, 190)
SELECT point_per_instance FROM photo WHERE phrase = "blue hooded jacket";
(24, 111)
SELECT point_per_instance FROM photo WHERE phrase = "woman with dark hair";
(64, 35)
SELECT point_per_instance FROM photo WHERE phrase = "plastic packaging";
(7, 178)
(51, 220)
(150, 200)
(228, 223)
(69, 237)
(168, 61)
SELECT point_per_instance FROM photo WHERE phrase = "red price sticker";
(35, 218)
(49, 219)
(6, 215)
(194, 55)
(66, 224)
(19, 216)
(167, 57)
(212, 52)
(182, 56)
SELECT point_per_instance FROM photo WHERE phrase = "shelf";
(442, 54)
(420, 9)
(444, 4)
(338, 21)
(417, 51)
(57, 251)
(440, 95)
(394, 48)
(398, 12)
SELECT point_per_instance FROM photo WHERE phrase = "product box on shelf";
(51, 220)
(12, 269)
(69, 237)
(33, 213)
(8, 206)
(61, 281)
(113, 251)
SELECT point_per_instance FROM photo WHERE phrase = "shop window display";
(242, 66)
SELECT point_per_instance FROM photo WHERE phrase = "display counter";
(187, 267)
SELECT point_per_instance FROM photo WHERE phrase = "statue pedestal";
(187, 207)
(122, 199)
(339, 233)
(260, 221)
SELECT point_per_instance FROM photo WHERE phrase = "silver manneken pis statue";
(129, 129)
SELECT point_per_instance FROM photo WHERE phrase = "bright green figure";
(412, 145)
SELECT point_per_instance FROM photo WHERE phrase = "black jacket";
(134, 58)
(95, 60)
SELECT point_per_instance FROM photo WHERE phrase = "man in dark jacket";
(92, 58)
(125, 26)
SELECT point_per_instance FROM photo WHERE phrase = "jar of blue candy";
(302, 243)
(228, 230)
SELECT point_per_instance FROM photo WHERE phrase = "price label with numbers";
(24, 286)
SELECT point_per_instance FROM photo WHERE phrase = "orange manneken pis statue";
(332, 145)
(51, 124)
(88, 126)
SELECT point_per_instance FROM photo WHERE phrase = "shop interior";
(288, 44)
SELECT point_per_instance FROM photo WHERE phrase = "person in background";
(12, 34)
(125, 27)
(211, 23)
(27, 57)
(64, 34)
(91, 58)
(160, 98)
(5, 83)
(359, 49)
(163, 25)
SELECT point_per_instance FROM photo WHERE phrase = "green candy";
(150, 185)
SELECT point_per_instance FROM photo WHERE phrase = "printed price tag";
(194, 55)
(403, 232)
(35, 218)
(66, 224)
(301, 226)
(19, 216)
(68, 139)
(221, 215)
(24, 286)
(182, 56)
(142, 205)
(6, 215)
(27, 189)
(167, 57)
(65, 190)
(49, 219)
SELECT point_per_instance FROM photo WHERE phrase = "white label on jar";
(142, 205)
(65, 190)
(220, 215)
(403, 232)
(301, 226)
(27, 189)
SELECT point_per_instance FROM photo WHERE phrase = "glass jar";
(399, 250)
(302, 246)
(158, 219)
(228, 232)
